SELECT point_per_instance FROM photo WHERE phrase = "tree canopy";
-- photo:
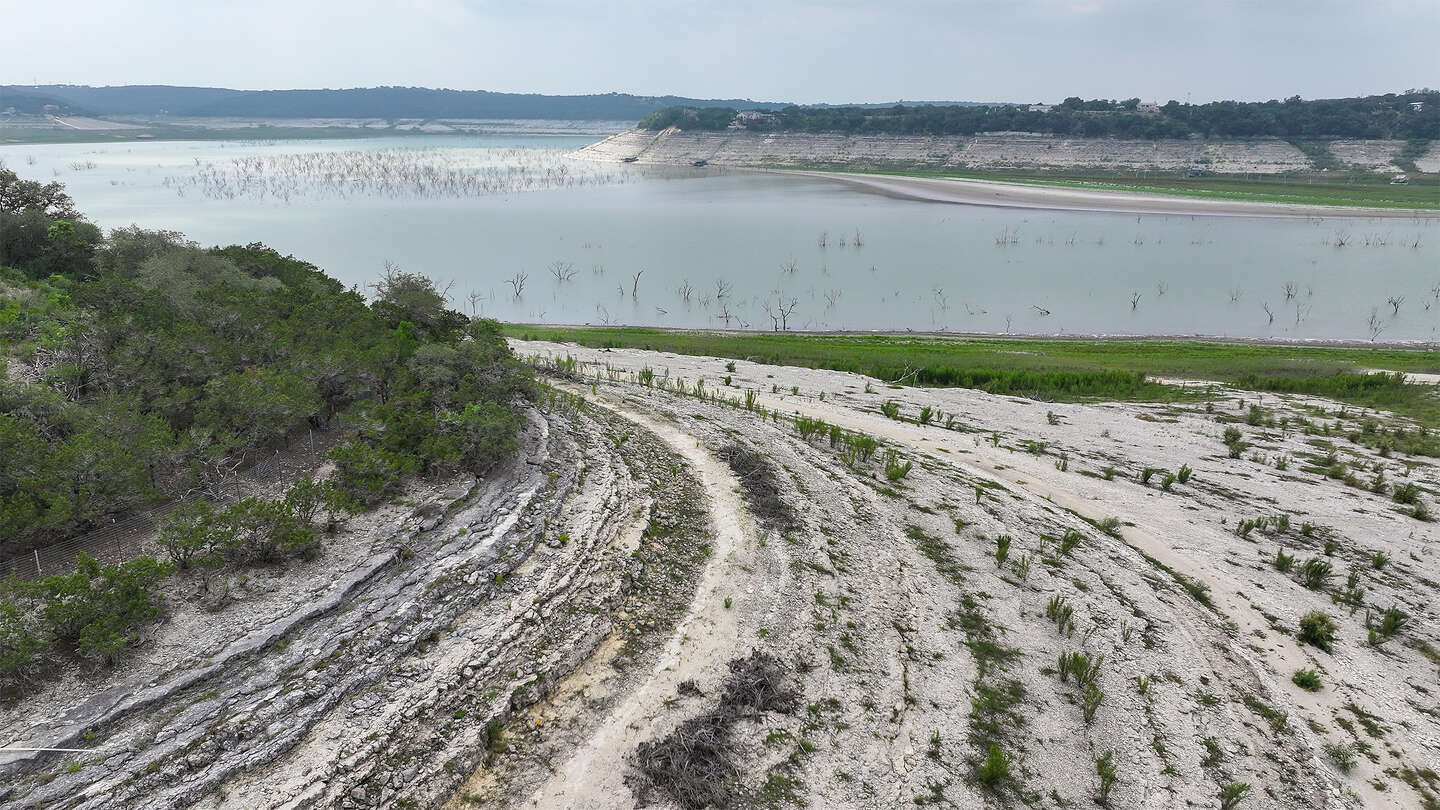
(139, 367)
(1388, 116)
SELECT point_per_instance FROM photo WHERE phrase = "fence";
(127, 538)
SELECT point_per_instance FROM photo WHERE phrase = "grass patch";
(1055, 370)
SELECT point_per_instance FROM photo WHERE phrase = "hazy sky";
(789, 50)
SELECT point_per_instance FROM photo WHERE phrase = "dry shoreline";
(1000, 194)
(1020, 337)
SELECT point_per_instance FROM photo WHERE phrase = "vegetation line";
(1059, 370)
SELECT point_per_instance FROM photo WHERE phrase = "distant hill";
(30, 102)
(369, 102)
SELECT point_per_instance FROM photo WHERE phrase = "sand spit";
(1054, 198)
(1008, 151)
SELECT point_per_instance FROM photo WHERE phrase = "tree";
(256, 410)
(98, 608)
(19, 643)
(189, 531)
(49, 199)
(402, 296)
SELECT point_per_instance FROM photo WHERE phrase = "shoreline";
(1017, 337)
(1003, 194)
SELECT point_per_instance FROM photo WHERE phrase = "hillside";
(998, 152)
(367, 102)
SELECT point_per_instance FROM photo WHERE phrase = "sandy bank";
(1018, 195)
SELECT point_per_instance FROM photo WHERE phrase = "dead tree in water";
(635, 284)
(1134, 301)
(517, 283)
(780, 311)
(562, 271)
(685, 290)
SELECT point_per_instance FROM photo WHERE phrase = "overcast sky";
(787, 50)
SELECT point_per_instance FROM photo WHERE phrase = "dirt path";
(702, 643)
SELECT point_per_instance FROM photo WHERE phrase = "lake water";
(485, 212)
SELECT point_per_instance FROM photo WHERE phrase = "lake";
(521, 232)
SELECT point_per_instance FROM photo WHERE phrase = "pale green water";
(445, 206)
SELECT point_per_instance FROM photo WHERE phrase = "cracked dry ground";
(538, 633)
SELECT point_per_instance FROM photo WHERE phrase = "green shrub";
(1090, 701)
(367, 474)
(1002, 548)
(1341, 755)
(98, 608)
(1283, 562)
(20, 643)
(1319, 629)
(1105, 769)
(1232, 794)
(995, 769)
(1315, 572)
(188, 532)
(1391, 622)
(1307, 679)
(894, 470)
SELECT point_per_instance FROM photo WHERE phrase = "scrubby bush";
(995, 769)
(99, 609)
(1232, 794)
(1283, 562)
(1391, 622)
(1002, 548)
(369, 474)
(894, 469)
(20, 643)
(1105, 769)
(1315, 572)
(1318, 628)
(1307, 679)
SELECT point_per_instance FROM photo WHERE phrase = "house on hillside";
(1040, 108)
(1417, 106)
(1148, 107)
(746, 118)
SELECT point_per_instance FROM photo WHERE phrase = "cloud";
(803, 50)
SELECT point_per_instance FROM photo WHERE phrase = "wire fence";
(130, 537)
